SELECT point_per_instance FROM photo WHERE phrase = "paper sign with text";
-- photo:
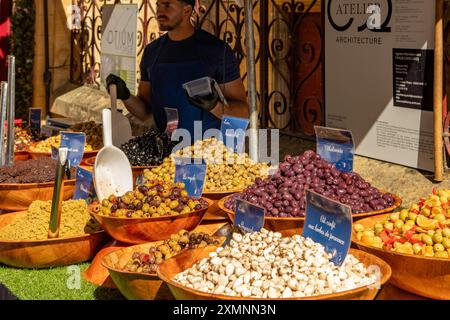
(84, 186)
(248, 217)
(34, 116)
(233, 132)
(336, 146)
(192, 174)
(329, 223)
(74, 141)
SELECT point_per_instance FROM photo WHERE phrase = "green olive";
(399, 224)
(412, 216)
(437, 238)
(369, 233)
(427, 239)
(438, 247)
(358, 227)
(389, 226)
(446, 232)
(394, 216)
(446, 243)
(431, 232)
(410, 223)
(439, 217)
(403, 214)
(428, 251)
(417, 248)
(441, 254)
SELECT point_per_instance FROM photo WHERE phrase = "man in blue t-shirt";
(181, 55)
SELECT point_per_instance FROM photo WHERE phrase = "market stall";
(88, 217)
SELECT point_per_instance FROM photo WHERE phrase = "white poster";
(379, 77)
(118, 45)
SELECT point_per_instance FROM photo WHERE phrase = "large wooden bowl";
(141, 230)
(425, 276)
(47, 253)
(290, 226)
(168, 269)
(142, 286)
(19, 196)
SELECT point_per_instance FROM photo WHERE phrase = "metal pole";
(3, 106)
(251, 78)
(438, 92)
(11, 110)
(47, 72)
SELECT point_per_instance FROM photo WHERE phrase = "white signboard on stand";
(379, 77)
(118, 45)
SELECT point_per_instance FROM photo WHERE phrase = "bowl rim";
(31, 152)
(378, 261)
(151, 219)
(397, 203)
(413, 256)
(90, 162)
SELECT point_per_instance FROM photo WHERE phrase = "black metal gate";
(288, 52)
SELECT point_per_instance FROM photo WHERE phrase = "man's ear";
(188, 10)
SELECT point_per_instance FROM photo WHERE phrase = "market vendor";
(181, 55)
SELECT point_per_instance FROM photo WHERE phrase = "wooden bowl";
(290, 226)
(47, 253)
(21, 155)
(141, 230)
(424, 276)
(142, 286)
(171, 267)
(19, 196)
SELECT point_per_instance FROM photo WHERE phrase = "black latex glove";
(206, 102)
(122, 91)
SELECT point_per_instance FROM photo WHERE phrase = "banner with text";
(379, 77)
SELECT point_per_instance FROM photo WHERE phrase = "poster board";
(118, 43)
(379, 80)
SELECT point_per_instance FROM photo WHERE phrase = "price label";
(248, 217)
(233, 132)
(84, 186)
(54, 153)
(192, 172)
(34, 116)
(74, 141)
(329, 223)
(336, 146)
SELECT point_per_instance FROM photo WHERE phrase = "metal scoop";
(112, 170)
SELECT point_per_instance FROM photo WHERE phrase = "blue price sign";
(34, 116)
(329, 223)
(233, 132)
(336, 146)
(74, 141)
(248, 217)
(192, 174)
(84, 185)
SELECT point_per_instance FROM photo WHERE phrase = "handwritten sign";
(329, 223)
(248, 217)
(34, 116)
(84, 185)
(74, 141)
(336, 146)
(233, 132)
(192, 172)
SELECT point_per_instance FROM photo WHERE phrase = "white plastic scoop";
(120, 123)
(112, 170)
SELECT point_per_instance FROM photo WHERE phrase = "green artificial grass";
(53, 284)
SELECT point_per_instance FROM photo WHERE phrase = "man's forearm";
(138, 107)
(235, 108)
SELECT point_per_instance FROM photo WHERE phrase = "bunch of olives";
(424, 229)
(147, 262)
(153, 199)
(93, 132)
(226, 170)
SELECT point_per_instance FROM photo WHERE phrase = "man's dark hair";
(189, 2)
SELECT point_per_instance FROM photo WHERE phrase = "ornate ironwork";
(288, 52)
